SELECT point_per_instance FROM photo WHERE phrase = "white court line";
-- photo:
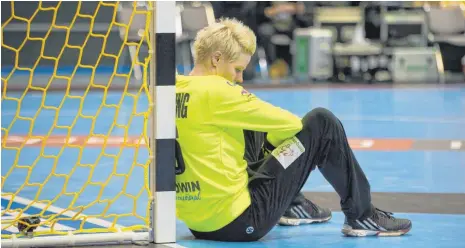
(175, 245)
(32, 141)
(44, 227)
(455, 144)
(402, 119)
(62, 211)
(69, 213)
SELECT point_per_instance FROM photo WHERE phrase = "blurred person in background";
(279, 20)
(248, 13)
(277, 23)
(274, 22)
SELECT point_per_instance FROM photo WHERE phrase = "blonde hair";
(229, 36)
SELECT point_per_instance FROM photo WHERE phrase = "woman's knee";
(319, 116)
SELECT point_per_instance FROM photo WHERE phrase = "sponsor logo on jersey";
(188, 191)
(182, 100)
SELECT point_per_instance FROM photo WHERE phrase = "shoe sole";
(348, 231)
(284, 221)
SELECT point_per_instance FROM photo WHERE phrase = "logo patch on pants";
(249, 230)
(288, 151)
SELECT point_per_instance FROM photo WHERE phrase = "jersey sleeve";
(233, 106)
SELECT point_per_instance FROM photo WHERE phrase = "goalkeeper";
(244, 161)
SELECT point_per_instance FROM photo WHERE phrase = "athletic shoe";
(380, 223)
(304, 212)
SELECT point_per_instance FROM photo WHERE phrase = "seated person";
(221, 127)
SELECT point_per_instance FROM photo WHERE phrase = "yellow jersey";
(211, 117)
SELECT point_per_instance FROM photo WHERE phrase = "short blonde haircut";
(229, 36)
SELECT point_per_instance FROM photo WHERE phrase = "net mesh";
(75, 160)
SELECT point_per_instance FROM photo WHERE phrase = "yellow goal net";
(76, 110)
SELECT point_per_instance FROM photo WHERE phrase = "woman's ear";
(216, 56)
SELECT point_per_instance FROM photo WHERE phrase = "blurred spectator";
(241, 10)
(273, 22)
(276, 28)
(245, 11)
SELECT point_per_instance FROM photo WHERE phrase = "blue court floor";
(427, 231)
(413, 113)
